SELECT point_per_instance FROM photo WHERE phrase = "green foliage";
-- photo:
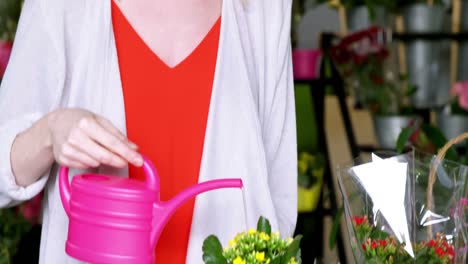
(381, 93)
(13, 227)
(404, 137)
(252, 247)
(9, 15)
(456, 109)
(213, 251)
(263, 225)
(427, 138)
(335, 228)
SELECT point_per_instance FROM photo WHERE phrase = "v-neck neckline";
(217, 23)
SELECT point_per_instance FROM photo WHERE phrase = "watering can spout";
(163, 211)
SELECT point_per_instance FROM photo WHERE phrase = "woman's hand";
(81, 139)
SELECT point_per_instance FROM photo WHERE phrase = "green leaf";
(263, 225)
(411, 90)
(439, 140)
(276, 260)
(404, 136)
(335, 228)
(213, 251)
(298, 257)
(404, 77)
(293, 249)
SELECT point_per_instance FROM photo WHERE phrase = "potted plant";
(428, 139)
(382, 92)
(310, 180)
(380, 247)
(453, 119)
(253, 246)
(9, 15)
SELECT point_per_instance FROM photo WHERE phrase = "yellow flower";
(292, 261)
(252, 231)
(232, 243)
(289, 240)
(275, 234)
(264, 236)
(238, 260)
(302, 164)
(260, 256)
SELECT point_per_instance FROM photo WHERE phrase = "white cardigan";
(65, 56)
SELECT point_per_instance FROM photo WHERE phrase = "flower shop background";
(416, 92)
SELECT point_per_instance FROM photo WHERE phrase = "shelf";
(430, 36)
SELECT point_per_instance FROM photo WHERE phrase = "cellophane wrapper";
(387, 213)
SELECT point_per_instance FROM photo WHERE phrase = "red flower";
(358, 220)
(383, 243)
(382, 54)
(377, 79)
(440, 251)
(31, 209)
(432, 243)
(450, 251)
(360, 59)
(364, 247)
(373, 244)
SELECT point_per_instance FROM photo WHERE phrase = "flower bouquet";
(406, 208)
(255, 246)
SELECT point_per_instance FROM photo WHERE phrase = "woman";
(204, 89)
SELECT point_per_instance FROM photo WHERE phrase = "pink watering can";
(119, 220)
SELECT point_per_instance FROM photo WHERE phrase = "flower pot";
(388, 128)
(451, 125)
(427, 61)
(5, 51)
(306, 63)
(308, 198)
(358, 18)
(462, 73)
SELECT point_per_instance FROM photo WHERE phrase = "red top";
(166, 114)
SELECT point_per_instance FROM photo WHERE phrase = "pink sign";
(306, 63)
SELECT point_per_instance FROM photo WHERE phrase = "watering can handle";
(152, 182)
(64, 187)
(152, 177)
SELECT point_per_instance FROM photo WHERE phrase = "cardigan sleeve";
(280, 126)
(31, 87)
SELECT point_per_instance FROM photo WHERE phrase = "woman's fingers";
(110, 142)
(106, 124)
(67, 162)
(74, 154)
(84, 143)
